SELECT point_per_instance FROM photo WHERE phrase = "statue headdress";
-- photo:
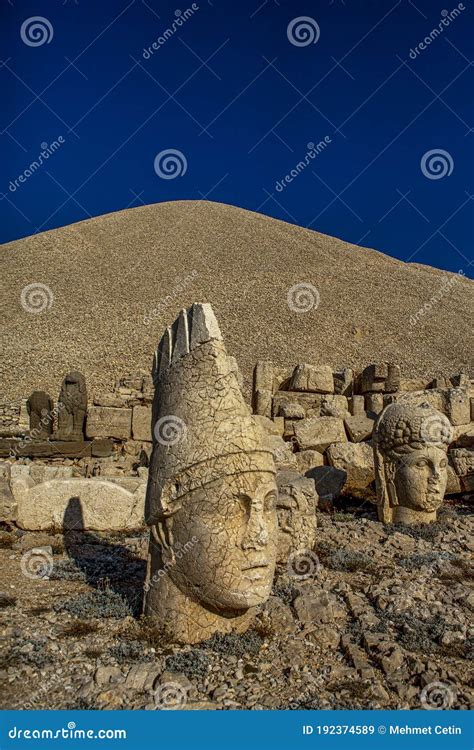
(202, 427)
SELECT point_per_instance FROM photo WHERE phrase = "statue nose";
(257, 533)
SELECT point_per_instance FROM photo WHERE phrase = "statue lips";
(257, 569)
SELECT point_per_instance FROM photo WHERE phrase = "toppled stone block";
(282, 452)
(103, 421)
(263, 388)
(453, 484)
(414, 384)
(328, 482)
(359, 428)
(291, 410)
(312, 379)
(318, 607)
(357, 461)
(42, 473)
(318, 433)
(457, 406)
(380, 378)
(308, 401)
(374, 403)
(357, 405)
(435, 398)
(308, 459)
(141, 423)
(102, 448)
(343, 381)
(334, 406)
(109, 400)
(80, 504)
(463, 436)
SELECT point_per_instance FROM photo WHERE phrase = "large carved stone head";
(410, 445)
(211, 496)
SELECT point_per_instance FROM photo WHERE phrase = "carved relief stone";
(40, 410)
(72, 407)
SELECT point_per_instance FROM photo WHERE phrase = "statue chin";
(225, 600)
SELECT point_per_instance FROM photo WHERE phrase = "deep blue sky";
(231, 69)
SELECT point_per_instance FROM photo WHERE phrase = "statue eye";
(244, 502)
(421, 463)
(443, 463)
(270, 501)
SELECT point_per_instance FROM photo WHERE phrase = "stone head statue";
(72, 407)
(211, 495)
(296, 510)
(410, 446)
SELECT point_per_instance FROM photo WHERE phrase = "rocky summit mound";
(96, 296)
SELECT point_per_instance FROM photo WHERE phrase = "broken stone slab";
(141, 423)
(291, 410)
(434, 397)
(463, 436)
(357, 461)
(109, 400)
(274, 426)
(312, 379)
(374, 403)
(359, 428)
(45, 448)
(318, 607)
(380, 378)
(357, 405)
(317, 433)
(282, 451)
(453, 484)
(79, 504)
(103, 421)
(263, 388)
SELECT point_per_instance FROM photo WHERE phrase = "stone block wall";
(325, 418)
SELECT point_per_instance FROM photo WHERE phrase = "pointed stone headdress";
(202, 428)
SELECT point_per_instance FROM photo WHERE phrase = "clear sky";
(236, 91)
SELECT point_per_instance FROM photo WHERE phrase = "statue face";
(296, 523)
(234, 520)
(420, 479)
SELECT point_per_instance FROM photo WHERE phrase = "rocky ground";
(374, 617)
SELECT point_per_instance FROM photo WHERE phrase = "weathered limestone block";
(453, 484)
(357, 460)
(463, 436)
(263, 388)
(312, 379)
(80, 504)
(309, 459)
(457, 406)
(103, 421)
(270, 426)
(211, 495)
(344, 382)
(296, 510)
(291, 410)
(359, 428)
(72, 408)
(380, 378)
(374, 402)
(40, 410)
(410, 446)
(281, 451)
(434, 397)
(357, 405)
(334, 406)
(318, 433)
(413, 384)
(42, 473)
(307, 401)
(141, 423)
(24, 417)
(110, 400)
